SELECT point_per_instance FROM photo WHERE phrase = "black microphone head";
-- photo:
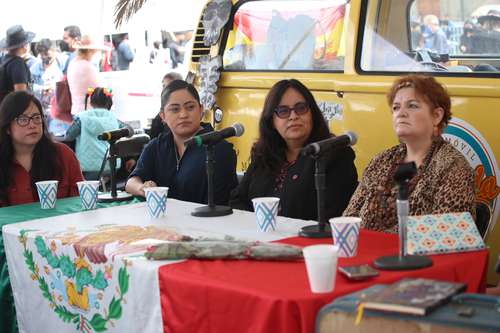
(405, 172)
(353, 137)
(239, 129)
(130, 132)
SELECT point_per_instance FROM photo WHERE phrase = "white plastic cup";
(88, 193)
(47, 193)
(345, 233)
(321, 266)
(156, 201)
(266, 210)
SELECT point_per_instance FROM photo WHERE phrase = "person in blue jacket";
(87, 125)
(165, 161)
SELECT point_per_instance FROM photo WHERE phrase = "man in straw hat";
(14, 73)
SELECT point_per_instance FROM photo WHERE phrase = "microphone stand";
(114, 195)
(322, 229)
(211, 210)
(403, 261)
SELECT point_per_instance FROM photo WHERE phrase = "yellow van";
(348, 53)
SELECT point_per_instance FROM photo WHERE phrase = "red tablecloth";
(250, 296)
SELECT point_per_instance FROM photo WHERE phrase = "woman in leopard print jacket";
(444, 181)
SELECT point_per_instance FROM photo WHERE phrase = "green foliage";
(83, 278)
(115, 309)
(52, 259)
(123, 280)
(99, 281)
(64, 314)
(28, 259)
(98, 323)
(45, 289)
(67, 267)
(40, 246)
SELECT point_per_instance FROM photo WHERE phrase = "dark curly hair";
(269, 152)
(428, 88)
(46, 163)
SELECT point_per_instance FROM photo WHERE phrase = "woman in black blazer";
(290, 120)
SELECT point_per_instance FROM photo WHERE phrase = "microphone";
(348, 139)
(215, 136)
(116, 134)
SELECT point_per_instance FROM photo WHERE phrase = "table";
(86, 271)
(233, 296)
(189, 296)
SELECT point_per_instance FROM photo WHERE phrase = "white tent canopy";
(48, 18)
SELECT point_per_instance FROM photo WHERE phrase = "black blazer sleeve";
(225, 172)
(342, 179)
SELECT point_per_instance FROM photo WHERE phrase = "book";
(412, 296)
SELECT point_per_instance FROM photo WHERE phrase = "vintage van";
(348, 53)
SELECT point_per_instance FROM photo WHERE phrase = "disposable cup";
(266, 210)
(47, 193)
(321, 265)
(88, 193)
(156, 201)
(345, 233)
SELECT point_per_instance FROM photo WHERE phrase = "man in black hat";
(15, 74)
(487, 39)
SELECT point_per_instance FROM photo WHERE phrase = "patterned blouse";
(444, 183)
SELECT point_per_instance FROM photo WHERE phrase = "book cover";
(413, 296)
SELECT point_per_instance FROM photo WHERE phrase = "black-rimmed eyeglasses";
(24, 121)
(283, 111)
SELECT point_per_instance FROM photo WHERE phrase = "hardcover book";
(413, 296)
(442, 233)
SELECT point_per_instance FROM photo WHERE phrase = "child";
(87, 125)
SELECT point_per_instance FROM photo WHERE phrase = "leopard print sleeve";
(455, 192)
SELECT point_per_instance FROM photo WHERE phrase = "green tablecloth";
(22, 213)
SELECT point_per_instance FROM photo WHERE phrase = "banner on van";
(479, 154)
(324, 25)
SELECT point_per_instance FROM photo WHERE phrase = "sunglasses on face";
(24, 121)
(283, 111)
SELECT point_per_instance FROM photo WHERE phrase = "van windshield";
(287, 35)
(431, 36)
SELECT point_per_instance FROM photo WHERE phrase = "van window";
(275, 35)
(453, 36)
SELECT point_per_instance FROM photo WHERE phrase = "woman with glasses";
(290, 120)
(29, 155)
(165, 161)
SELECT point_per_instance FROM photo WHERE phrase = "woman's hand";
(148, 183)
(135, 186)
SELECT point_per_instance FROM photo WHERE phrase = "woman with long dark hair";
(28, 154)
(290, 120)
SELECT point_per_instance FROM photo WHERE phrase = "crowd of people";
(479, 35)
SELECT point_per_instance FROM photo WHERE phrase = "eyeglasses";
(24, 121)
(283, 111)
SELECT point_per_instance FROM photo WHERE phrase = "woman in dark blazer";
(290, 120)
